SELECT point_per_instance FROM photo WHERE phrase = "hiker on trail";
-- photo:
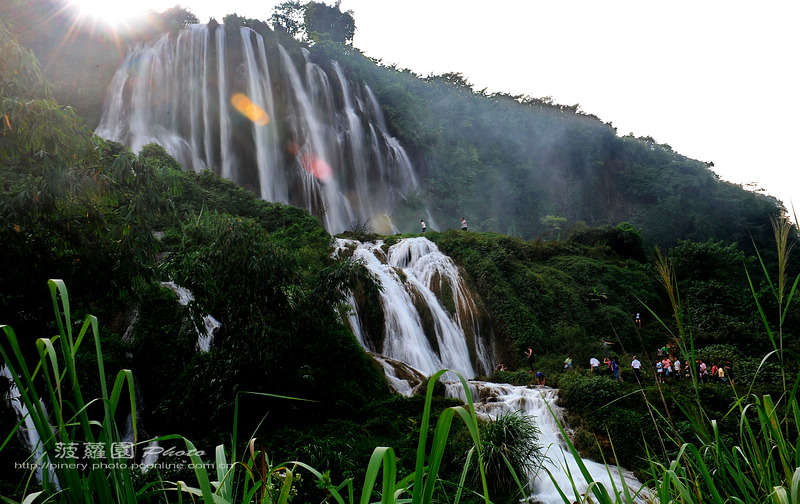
(463, 224)
(422, 224)
(638, 321)
(594, 365)
(568, 362)
(728, 367)
(636, 366)
(606, 345)
(531, 358)
(540, 378)
(615, 368)
(660, 371)
(677, 366)
(703, 370)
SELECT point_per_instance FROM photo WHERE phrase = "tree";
(710, 260)
(325, 22)
(288, 17)
(19, 68)
(176, 18)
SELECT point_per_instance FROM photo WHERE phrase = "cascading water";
(430, 317)
(493, 400)
(420, 283)
(205, 335)
(31, 435)
(271, 121)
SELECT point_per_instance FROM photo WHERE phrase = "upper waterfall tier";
(269, 120)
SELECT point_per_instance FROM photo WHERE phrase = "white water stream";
(205, 335)
(29, 431)
(413, 272)
(493, 400)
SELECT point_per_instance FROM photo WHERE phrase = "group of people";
(716, 373)
(612, 366)
(425, 227)
(666, 368)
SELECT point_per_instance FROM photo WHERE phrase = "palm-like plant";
(510, 450)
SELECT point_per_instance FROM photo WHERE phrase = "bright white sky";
(717, 80)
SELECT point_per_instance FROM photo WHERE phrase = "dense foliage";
(117, 225)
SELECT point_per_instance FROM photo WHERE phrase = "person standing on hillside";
(568, 362)
(594, 365)
(636, 366)
(728, 367)
(531, 358)
(422, 225)
(463, 224)
(615, 368)
(703, 371)
(667, 368)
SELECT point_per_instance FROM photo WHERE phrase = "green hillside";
(516, 165)
(564, 218)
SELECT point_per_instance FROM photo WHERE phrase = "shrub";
(511, 449)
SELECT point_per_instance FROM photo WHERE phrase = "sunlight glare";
(316, 166)
(249, 109)
(110, 12)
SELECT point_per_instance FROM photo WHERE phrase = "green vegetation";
(527, 166)
(516, 165)
(510, 452)
(558, 296)
(114, 225)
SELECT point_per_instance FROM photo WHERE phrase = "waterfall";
(431, 319)
(205, 335)
(29, 432)
(493, 400)
(421, 284)
(265, 117)
(150, 457)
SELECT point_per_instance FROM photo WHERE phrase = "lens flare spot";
(315, 166)
(250, 110)
(293, 148)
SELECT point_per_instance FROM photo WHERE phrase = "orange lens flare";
(249, 109)
(315, 166)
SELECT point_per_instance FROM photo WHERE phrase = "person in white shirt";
(637, 366)
(594, 365)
